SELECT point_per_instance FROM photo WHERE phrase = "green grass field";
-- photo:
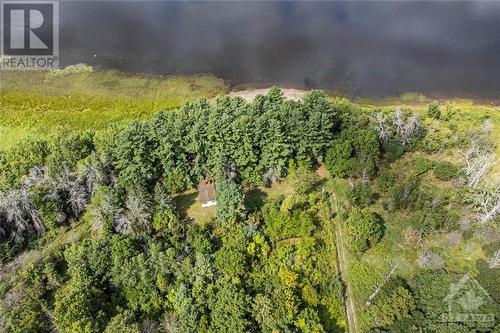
(37, 104)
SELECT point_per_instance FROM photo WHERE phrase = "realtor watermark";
(29, 35)
(466, 303)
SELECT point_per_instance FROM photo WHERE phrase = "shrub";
(445, 171)
(67, 149)
(361, 194)
(364, 229)
(428, 220)
(49, 209)
(17, 161)
(433, 110)
(9, 249)
(422, 165)
(393, 149)
(395, 302)
(406, 193)
(51, 215)
(387, 181)
(71, 69)
(168, 222)
(468, 234)
(287, 220)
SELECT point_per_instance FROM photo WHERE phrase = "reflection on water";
(369, 48)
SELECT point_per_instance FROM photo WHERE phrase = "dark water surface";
(364, 48)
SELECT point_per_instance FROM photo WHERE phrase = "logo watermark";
(29, 35)
(465, 303)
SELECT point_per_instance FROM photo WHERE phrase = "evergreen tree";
(230, 201)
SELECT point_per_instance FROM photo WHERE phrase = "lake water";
(361, 48)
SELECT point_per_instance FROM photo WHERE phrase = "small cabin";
(206, 190)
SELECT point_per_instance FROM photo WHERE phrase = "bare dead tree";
(379, 287)
(431, 260)
(104, 208)
(170, 324)
(95, 171)
(351, 182)
(162, 198)
(36, 176)
(364, 178)
(271, 175)
(123, 224)
(454, 238)
(436, 202)
(487, 126)
(494, 261)
(20, 214)
(71, 190)
(77, 198)
(487, 204)
(14, 208)
(407, 190)
(149, 326)
(381, 126)
(406, 128)
(138, 215)
(411, 129)
(478, 158)
(398, 120)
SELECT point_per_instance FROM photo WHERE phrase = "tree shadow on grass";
(255, 199)
(319, 185)
(184, 201)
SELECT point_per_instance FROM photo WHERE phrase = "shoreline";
(248, 93)
(251, 89)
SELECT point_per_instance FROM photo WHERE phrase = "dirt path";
(342, 257)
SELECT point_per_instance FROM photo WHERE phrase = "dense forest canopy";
(263, 263)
